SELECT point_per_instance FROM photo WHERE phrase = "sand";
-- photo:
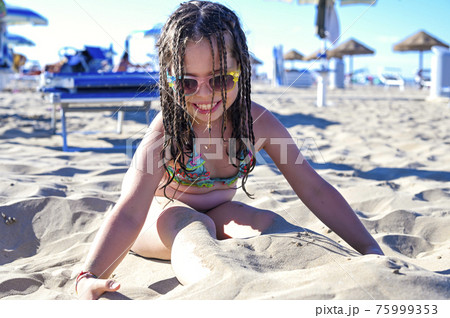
(386, 151)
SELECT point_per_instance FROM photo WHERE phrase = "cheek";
(231, 97)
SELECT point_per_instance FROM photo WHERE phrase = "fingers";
(93, 288)
(104, 285)
(112, 285)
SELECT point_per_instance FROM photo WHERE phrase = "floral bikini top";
(196, 174)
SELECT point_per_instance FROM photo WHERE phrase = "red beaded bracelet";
(81, 275)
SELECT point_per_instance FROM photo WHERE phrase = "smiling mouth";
(206, 108)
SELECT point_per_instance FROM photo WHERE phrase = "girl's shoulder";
(154, 133)
(148, 153)
(257, 109)
(156, 127)
(157, 123)
(262, 116)
(265, 123)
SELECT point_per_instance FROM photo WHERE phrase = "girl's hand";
(92, 288)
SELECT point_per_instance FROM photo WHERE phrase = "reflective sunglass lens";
(229, 82)
(216, 82)
(190, 85)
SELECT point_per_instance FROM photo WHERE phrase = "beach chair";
(390, 76)
(6, 63)
(90, 59)
(98, 92)
(302, 78)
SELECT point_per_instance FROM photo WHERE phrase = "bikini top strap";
(195, 156)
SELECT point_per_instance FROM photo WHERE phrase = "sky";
(267, 23)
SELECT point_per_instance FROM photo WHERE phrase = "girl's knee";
(156, 241)
(275, 223)
(265, 220)
(176, 218)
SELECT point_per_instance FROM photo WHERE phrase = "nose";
(203, 89)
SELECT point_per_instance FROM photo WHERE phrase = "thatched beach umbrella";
(313, 56)
(254, 60)
(293, 56)
(420, 41)
(351, 47)
(316, 55)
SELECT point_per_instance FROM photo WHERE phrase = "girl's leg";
(176, 232)
(164, 220)
(188, 238)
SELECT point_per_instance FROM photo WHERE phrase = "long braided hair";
(193, 21)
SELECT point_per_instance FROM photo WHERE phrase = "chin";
(204, 118)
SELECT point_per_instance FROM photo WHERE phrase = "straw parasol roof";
(310, 57)
(420, 41)
(314, 55)
(254, 60)
(351, 47)
(293, 55)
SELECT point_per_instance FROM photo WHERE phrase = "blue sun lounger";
(96, 92)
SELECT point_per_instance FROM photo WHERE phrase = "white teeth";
(204, 106)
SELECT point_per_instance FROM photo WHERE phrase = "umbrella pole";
(350, 65)
(321, 93)
(420, 60)
(419, 71)
(321, 83)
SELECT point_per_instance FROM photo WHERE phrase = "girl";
(179, 188)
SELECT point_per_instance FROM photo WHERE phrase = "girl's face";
(198, 62)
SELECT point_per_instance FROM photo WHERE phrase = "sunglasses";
(213, 82)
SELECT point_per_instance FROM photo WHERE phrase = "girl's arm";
(125, 221)
(317, 194)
